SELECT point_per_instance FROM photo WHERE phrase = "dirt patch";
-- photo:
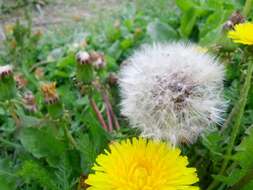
(60, 12)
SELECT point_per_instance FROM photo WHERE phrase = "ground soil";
(58, 12)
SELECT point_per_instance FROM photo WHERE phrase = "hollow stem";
(98, 114)
(113, 116)
(108, 114)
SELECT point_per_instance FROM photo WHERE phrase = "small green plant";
(60, 102)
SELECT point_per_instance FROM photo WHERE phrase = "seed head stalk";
(236, 128)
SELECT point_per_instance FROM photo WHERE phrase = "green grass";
(41, 151)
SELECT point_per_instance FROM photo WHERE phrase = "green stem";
(247, 7)
(244, 181)
(8, 143)
(69, 136)
(242, 102)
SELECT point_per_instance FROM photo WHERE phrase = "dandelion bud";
(39, 73)
(29, 102)
(84, 70)
(20, 80)
(5, 71)
(7, 83)
(83, 57)
(97, 60)
(138, 32)
(51, 97)
(112, 79)
(172, 91)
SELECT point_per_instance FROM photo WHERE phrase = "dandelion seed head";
(172, 91)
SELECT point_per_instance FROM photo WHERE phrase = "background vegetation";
(54, 149)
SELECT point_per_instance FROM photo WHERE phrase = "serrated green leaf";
(213, 142)
(243, 158)
(33, 171)
(42, 143)
(4, 185)
(245, 151)
(7, 175)
(91, 145)
(68, 165)
(248, 186)
(67, 61)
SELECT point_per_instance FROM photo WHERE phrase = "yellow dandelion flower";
(142, 165)
(242, 33)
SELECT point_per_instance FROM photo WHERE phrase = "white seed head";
(172, 91)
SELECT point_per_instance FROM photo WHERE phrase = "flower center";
(176, 88)
(141, 177)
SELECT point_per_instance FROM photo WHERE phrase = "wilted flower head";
(49, 92)
(172, 91)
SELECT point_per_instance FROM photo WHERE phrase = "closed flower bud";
(112, 79)
(84, 71)
(39, 73)
(5, 71)
(20, 80)
(83, 57)
(97, 59)
(29, 102)
(7, 83)
(54, 106)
